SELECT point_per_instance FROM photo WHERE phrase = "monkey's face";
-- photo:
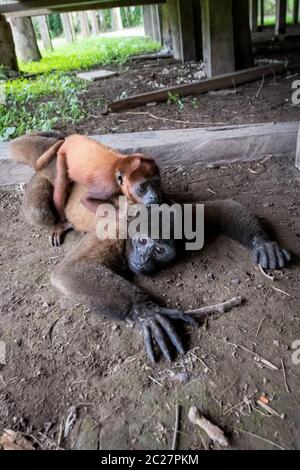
(140, 180)
(147, 256)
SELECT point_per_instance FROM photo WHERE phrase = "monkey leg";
(61, 186)
(92, 274)
(39, 210)
(239, 223)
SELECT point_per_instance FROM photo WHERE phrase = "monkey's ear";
(119, 176)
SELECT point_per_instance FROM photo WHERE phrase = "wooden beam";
(243, 55)
(296, 12)
(185, 147)
(217, 36)
(45, 33)
(298, 150)
(12, 9)
(68, 27)
(253, 15)
(217, 83)
(281, 10)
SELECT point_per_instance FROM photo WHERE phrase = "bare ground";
(59, 355)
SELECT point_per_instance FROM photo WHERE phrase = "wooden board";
(298, 150)
(186, 147)
(229, 80)
(96, 75)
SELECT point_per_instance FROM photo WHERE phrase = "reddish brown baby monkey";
(105, 173)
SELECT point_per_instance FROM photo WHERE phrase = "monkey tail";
(48, 156)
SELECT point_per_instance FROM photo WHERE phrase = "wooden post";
(217, 36)
(281, 10)
(84, 24)
(198, 28)
(253, 15)
(24, 38)
(152, 15)
(166, 32)
(67, 27)
(95, 23)
(116, 19)
(181, 17)
(242, 35)
(45, 33)
(262, 13)
(8, 56)
(296, 12)
(298, 150)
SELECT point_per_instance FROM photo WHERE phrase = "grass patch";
(40, 104)
(86, 53)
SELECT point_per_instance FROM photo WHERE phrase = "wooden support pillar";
(8, 56)
(68, 27)
(166, 32)
(84, 24)
(281, 10)
(182, 29)
(242, 35)
(296, 12)
(253, 15)
(198, 28)
(217, 36)
(45, 33)
(262, 12)
(152, 15)
(116, 19)
(94, 22)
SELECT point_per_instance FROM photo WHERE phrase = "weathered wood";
(298, 150)
(296, 12)
(186, 146)
(68, 5)
(25, 40)
(95, 75)
(8, 56)
(217, 83)
(94, 22)
(153, 22)
(67, 27)
(253, 15)
(45, 33)
(116, 19)
(217, 36)
(243, 55)
(281, 10)
(197, 15)
(84, 24)
(181, 22)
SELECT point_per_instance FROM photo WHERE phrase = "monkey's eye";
(141, 189)
(142, 241)
(159, 250)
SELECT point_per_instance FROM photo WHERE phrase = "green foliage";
(175, 99)
(131, 16)
(89, 52)
(40, 104)
(55, 25)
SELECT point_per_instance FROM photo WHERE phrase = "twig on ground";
(284, 376)
(213, 431)
(282, 291)
(176, 427)
(270, 410)
(260, 438)
(176, 120)
(268, 276)
(222, 307)
(261, 359)
(261, 86)
(155, 381)
(259, 326)
(200, 360)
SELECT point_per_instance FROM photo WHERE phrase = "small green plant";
(40, 104)
(175, 99)
(195, 103)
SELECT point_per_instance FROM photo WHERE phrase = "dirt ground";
(259, 101)
(60, 356)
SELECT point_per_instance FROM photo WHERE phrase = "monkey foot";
(58, 233)
(155, 324)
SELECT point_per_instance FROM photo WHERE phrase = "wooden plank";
(69, 5)
(298, 150)
(281, 11)
(217, 83)
(186, 146)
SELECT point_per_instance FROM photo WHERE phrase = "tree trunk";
(95, 23)
(116, 19)
(8, 56)
(66, 19)
(45, 33)
(84, 24)
(24, 39)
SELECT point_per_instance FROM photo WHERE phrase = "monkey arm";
(91, 274)
(240, 224)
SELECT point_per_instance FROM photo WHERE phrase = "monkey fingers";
(57, 235)
(270, 255)
(179, 315)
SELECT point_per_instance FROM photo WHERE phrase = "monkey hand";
(269, 254)
(154, 321)
(58, 232)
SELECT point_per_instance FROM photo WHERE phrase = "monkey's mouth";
(142, 269)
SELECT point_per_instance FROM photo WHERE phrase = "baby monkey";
(105, 172)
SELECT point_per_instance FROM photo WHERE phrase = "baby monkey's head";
(139, 180)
